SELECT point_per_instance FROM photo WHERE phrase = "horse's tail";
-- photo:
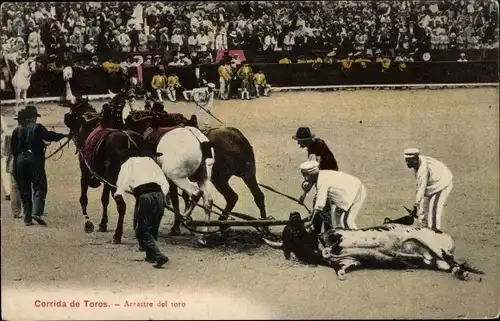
(207, 150)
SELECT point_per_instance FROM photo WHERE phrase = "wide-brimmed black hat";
(303, 133)
(20, 115)
(30, 111)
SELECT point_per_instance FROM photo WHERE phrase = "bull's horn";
(275, 245)
(407, 209)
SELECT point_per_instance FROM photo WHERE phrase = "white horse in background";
(187, 161)
(22, 80)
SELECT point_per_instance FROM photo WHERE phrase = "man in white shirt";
(434, 184)
(204, 99)
(141, 176)
(344, 194)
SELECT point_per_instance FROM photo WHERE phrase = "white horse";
(21, 80)
(188, 154)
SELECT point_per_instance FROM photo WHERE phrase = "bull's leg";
(103, 226)
(343, 266)
(258, 196)
(117, 238)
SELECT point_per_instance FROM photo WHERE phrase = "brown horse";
(234, 156)
(104, 154)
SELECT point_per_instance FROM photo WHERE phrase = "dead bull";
(389, 245)
(392, 245)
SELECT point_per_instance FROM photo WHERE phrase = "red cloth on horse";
(93, 142)
(157, 134)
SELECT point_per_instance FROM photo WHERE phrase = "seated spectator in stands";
(360, 59)
(173, 85)
(124, 39)
(158, 61)
(152, 44)
(462, 58)
(385, 61)
(329, 58)
(260, 83)
(285, 60)
(177, 62)
(301, 60)
(94, 62)
(186, 61)
(159, 84)
(346, 63)
(148, 61)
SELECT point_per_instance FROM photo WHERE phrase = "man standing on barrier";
(28, 151)
(204, 99)
(141, 176)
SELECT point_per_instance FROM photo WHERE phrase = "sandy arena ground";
(367, 131)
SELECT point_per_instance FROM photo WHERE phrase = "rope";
(59, 149)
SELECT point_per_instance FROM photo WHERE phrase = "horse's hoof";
(102, 228)
(117, 241)
(175, 232)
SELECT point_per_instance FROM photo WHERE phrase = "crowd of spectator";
(106, 28)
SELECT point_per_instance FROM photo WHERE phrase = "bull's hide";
(389, 237)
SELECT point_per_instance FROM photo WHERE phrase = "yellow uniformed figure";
(301, 60)
(159, 84)
(110, 66)
(284, 61)
(359, 59)
(318, 60)
(310, 60)
(245, 73)
(225, 75)
(260, 83)
(172, 85)
(385, 62)
(346, 64)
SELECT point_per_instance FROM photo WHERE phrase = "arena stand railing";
(96, 81)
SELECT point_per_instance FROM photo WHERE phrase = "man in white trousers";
(344, 193)
(8, 182)
(204, 99)
(434, 184)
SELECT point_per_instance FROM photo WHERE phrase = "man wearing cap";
(28, 150)
(434, 184)
(316, 148)
(141, 176)
(339, 196)
(204, 99)
(173, 85)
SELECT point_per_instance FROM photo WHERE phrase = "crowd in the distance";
(204, 27)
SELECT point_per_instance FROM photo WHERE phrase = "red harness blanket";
(93, 142)
(157, 134)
